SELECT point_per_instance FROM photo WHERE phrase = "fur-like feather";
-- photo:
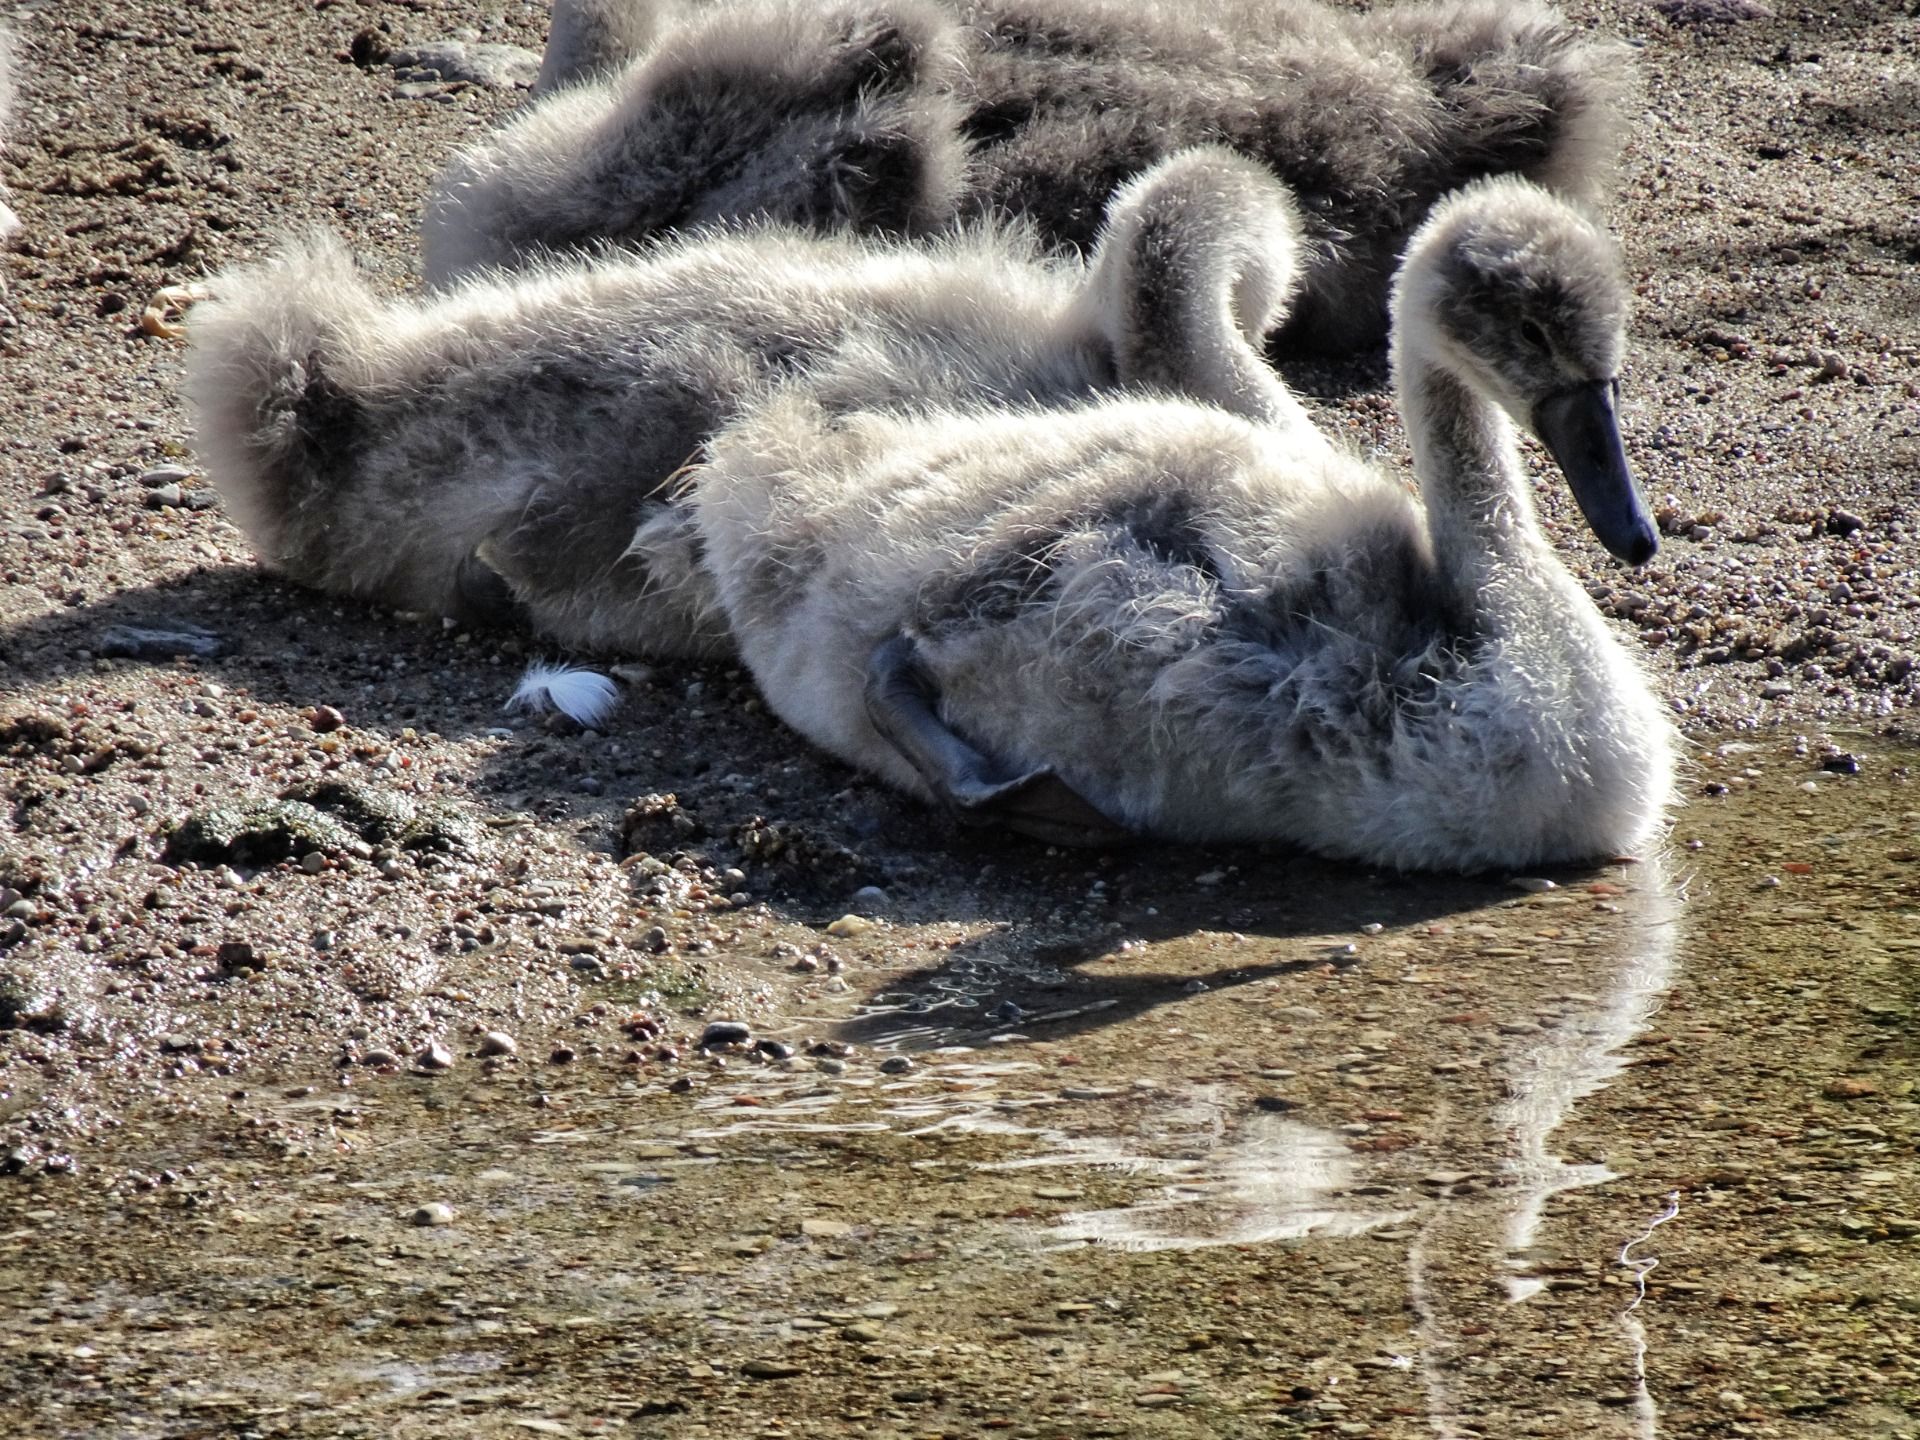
(1217, 630)
(905, 116)
(542, 428)
(9, 222)
(585, 697)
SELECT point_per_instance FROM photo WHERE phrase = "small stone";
(1846, 1087)
(377, 1059)
(869, 900)
(863, 1332)
(313, 862)
(829, 1065)
(164, 497)
(434, 1057)
(433, 1213)
(562, 1055)
(774, 1049)
(1533, 884)
(235, 956)
(498, 1042)
(323, 719)
(825, 1229)
(491, 66)
(848, 926)
(896, 1065)
(771, 1370)
(721, 1033)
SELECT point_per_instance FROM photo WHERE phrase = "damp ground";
(1231, 1145)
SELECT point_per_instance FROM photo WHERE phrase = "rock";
(462, 62)
(771, 1369)
(157, 642)
(722, 1033)
(825, 1229)
(849, 926)
(896, 1065)
(498, 1042)
(869, 900)
(434, 1057)
(433, 1213)
(1847, 1087)
(235, 956)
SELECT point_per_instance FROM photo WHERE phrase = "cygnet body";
(1150, 617)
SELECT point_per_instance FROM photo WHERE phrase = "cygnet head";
(1523, 296)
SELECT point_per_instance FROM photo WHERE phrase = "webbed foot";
(977, 788)
(483, 597)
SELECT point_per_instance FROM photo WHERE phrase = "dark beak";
(1581, 430)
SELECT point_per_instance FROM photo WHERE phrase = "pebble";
(433, 1213)
(895, 1065)
(848, 926)
(157, 642)
(434, 1057)
(378, 1059)
(313, 862)
(771, 1369)
(825, 1229)
(863, 1332)
(774, 1049)
(724, 1032)
(869, 900)
(461, 62)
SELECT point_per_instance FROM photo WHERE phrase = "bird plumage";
(908, 116)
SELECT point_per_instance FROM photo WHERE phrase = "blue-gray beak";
(1580, 428)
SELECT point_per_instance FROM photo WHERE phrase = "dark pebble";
(1842, 764)
(157, 642)
(724, 1032)
(896, 1065)
(774, 1049)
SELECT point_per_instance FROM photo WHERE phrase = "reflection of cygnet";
(529, 441)
(1148, 616)
(905, 117)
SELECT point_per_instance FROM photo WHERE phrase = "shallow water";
(1275, 1150)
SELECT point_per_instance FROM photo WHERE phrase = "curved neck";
(1479, 512)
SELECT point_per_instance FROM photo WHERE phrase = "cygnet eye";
(1535, 336)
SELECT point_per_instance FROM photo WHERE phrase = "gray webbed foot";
(979, 789)
(483, 597)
